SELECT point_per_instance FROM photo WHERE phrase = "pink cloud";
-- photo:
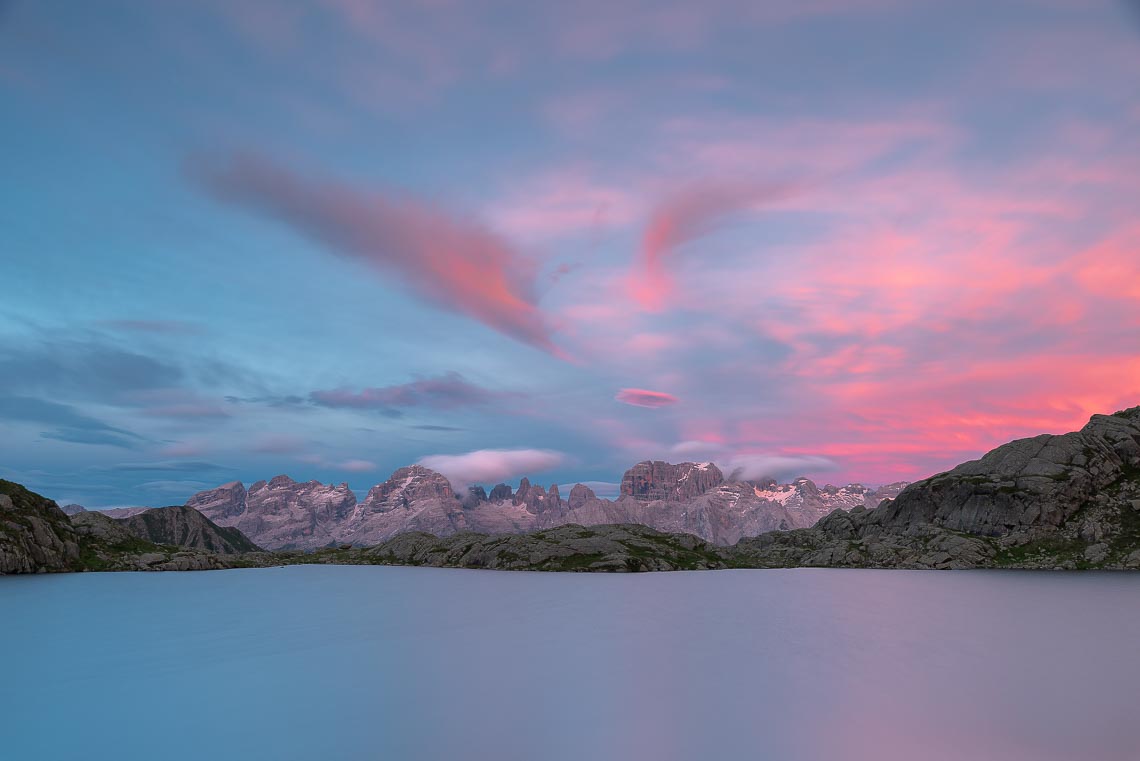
(349, 466)
(490, 465)
(454, 263)
(355, 466)
(564, 202)
(682, 219)
(639, 397)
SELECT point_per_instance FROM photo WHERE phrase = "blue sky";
(851, 240)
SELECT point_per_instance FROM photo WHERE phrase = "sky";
(855, 240)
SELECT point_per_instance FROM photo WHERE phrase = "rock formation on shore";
(1064, 501)
(35, 535)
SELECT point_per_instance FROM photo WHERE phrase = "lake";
(324, 662)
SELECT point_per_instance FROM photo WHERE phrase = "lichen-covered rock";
(566, 548)
(35, 535)
(1048, 502)
(1043, 480)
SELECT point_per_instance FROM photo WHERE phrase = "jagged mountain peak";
(653, 480)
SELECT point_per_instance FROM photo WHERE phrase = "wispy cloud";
(160, 327)
(348, 466)
(684, 218)
(172, 466)
(443, 392)
(65, 423)
(455, 263)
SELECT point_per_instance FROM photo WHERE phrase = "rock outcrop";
(567, 548)
(500, 492)
(186, 527)
(1051, 501)
(108, 545)
(580, 495)
(73, 509)
(35, 535)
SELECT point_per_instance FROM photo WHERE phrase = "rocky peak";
(406, 486)
(580, 494)
(474, 496)
(280, 482)
(73, 509)
(500, 493)
(225, 502)
(524, 487)
(533, 497)
(650, 481)
(553, 494)
(807, 488)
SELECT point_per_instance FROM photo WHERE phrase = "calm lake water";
(413, 663)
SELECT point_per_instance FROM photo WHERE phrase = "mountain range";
(1069, 501)
(693, 498)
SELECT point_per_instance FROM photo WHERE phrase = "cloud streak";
(443, 392)
(681, 219)
(457, 264)
(640, 397)
(65, 422)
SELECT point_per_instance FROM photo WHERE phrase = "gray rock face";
(535, 498)
(35, 535)
(580, 495)
(186, 527)
(73, 509)
(568, 548)
(1045, 502)
(652, 481)
(414, 498)
(123, 512)
(280, 513)
(475, 495)
(225, 502)
(102, 528)
(1041, 481)
(109, 546)
(499, 493)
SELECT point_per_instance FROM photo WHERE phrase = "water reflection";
(389, 663)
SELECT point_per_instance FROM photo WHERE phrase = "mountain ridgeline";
(1068, 501)
(693, 498)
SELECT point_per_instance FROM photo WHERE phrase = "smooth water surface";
(326, 662)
